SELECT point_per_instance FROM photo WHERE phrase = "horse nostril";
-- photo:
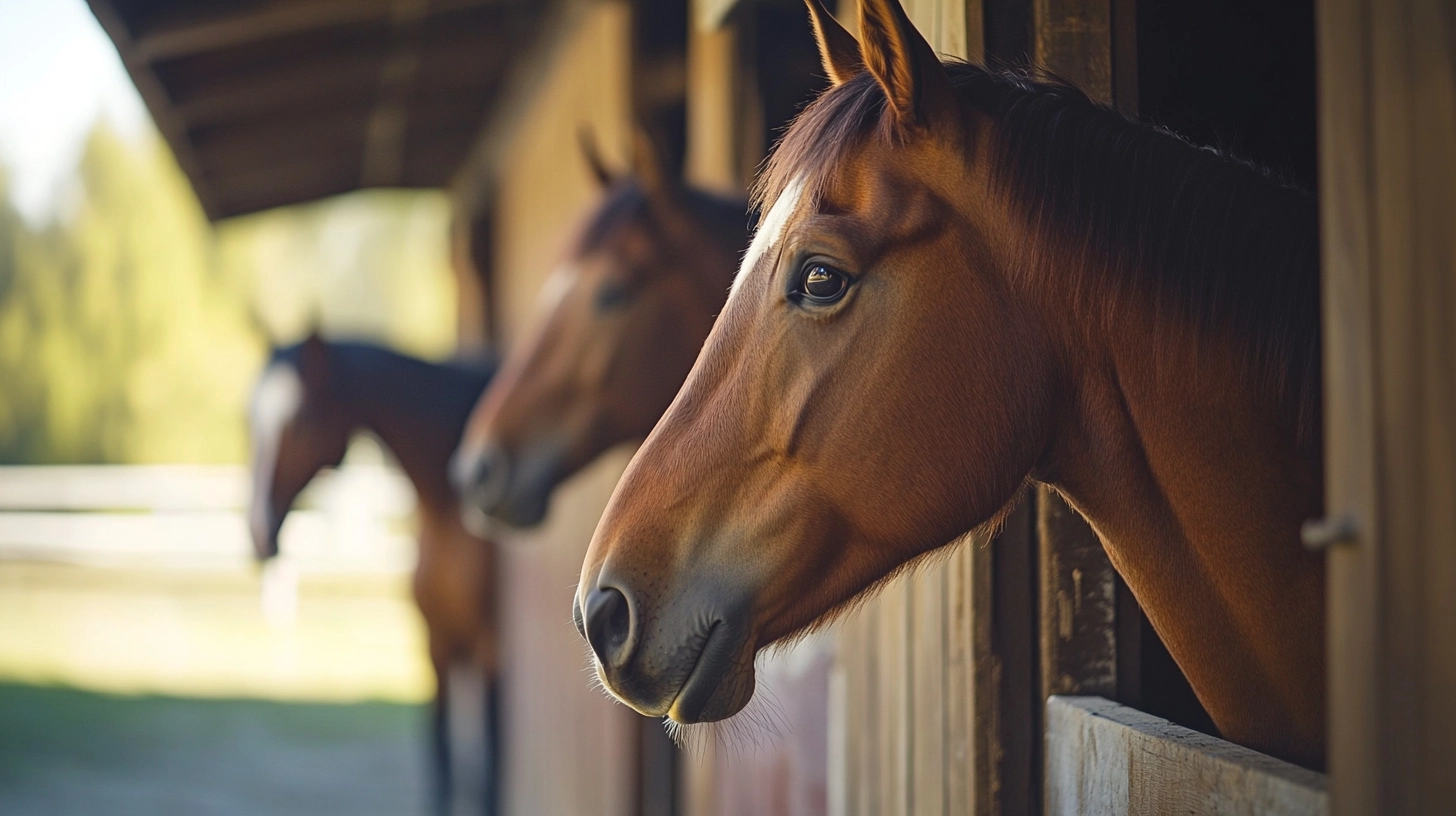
(479, 475)
(608, 625)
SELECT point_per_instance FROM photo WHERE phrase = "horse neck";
(417, 410)
(1196, 480)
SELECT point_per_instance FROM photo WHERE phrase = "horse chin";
(523, 512)
(476, 521)
(721, 683)
(730, 696)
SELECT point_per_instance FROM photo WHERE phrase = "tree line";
(131, 328)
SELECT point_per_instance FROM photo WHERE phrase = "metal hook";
(1323, 533)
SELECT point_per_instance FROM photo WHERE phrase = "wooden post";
(1080, 608)
(1387, 81)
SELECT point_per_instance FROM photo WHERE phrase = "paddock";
(147, 677)
(1014, 675)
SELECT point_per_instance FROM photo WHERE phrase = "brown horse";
(676, 262)
(623, 319)
(309, 402)
(966, 281)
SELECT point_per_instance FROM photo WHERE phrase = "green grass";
(164, 691)
(67, 751)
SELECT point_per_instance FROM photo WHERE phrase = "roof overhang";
(274, 102)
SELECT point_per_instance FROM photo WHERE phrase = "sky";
(58, 74)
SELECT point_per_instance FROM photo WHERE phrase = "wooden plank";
(1079, 605)
(874, 701)
(1388, 188)
(984, 681)
(1124, 56)
(712, 153)
(1074, 39)
(1347, 288)
(1085, 625)
(158, 105)
(895, 698)
(959, 771)
(187, 32)
(943, 23)
(1104, 759)
(1016, 751)
(928, 702)
(709, 15)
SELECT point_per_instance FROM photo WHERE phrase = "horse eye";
(823, 284)
(613, 295)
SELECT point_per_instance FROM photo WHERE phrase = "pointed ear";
(313, 360)
(658, 181)
(837, 48)
(905, 65)
(599, 170)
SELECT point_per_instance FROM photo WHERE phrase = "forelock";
(820, 137)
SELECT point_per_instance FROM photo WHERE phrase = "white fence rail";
(355, 519)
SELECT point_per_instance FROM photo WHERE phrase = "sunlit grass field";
(168, 691)
(140, 674)
(203, 634)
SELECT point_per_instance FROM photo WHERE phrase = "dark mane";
(449, 387)
(1120, 209)
(724, 219)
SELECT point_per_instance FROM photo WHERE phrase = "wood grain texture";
(1073, 38)
(1104, 758)
(1079, 605)
(928, 700)
(1388, 204)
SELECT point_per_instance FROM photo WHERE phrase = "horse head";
(298, 428)
(869, 352)
(621, 321)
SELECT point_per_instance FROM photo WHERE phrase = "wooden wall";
(1388, 195)
(567, 748)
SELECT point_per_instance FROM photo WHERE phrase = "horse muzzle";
(495, 487)
(691, 660)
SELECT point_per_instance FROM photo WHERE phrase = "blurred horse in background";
(623, 318)
(309, 402)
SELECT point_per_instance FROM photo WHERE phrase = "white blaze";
(770, 230)
(276, 400)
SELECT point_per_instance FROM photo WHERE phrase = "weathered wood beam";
(1387, 127)
(154, 95)
(1104, 758)
(348, 77)
(181, 36)
(280, 137)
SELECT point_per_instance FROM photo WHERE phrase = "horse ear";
(598, 166)
(658, 181)
(837, 48)
(905, 65)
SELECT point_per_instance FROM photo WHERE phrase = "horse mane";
(1121, 209)
(448, 387)
(725, 220)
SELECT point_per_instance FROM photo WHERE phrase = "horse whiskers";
(761, 724)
